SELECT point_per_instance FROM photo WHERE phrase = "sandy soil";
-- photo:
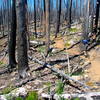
(94, 71)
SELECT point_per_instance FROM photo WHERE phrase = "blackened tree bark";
(22, 38)
(58, 18)
(70, 14)
(97, 15)
(44, 17)
(66, 12)
(80, 7)
(47, 25)
(35, 18)
(12, 38)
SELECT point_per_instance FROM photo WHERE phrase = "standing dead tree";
(58, 17)
(35, 18)
(97, 15)
(44, 17)
(70, 15)
(47, 26)
(12, 38)
(22, 38)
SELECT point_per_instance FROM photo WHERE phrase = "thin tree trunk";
(47, 26)
(58, 18)
(44, 17)
(97, 15)
(70, 15)
(3, 19)
(12, 38)
(80, 7)
(35, 18)
(22, 38)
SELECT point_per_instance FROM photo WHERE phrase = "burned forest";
(49, 49)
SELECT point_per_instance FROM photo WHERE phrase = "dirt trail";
(59, 43)
(94, 71)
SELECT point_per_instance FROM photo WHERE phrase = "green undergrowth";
(73, 30)
(32, 37)
(48, 84)
(78, 73)
(67, 44)
(19, 98)
(32, 95)
(10, 98)
(41, 49)
(1, 63)
(7, 90)
(59, 87)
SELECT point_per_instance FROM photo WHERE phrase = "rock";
(19, 92)
(15, 93)
(28, 87)
(2, 97)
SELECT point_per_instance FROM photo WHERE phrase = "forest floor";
(45, 78)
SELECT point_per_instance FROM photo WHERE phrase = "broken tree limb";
(29, 79)
(4, 36)
(39, 43)
(74, 56)
(74, 45)
(81, 67)
(4, 71)
(58, 72)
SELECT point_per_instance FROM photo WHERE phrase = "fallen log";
(74, 56)
(39, 43)
(28, 79)
(58, 72)
(81, 68)
(4, 36)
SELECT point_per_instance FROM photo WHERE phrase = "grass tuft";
(33, 95)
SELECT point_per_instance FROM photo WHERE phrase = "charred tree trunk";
(35, 18)
(97, 16)
(47, 25)
(80, 7)
(12, 38)
(22, 38)
(70, 15)
(44, 17)
(58, 18)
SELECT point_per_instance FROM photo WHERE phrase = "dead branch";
(81, 67)
(3, 36)
(58, 72)
(39, 43)
(72, 57)
(4, 71)
(28, 79)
